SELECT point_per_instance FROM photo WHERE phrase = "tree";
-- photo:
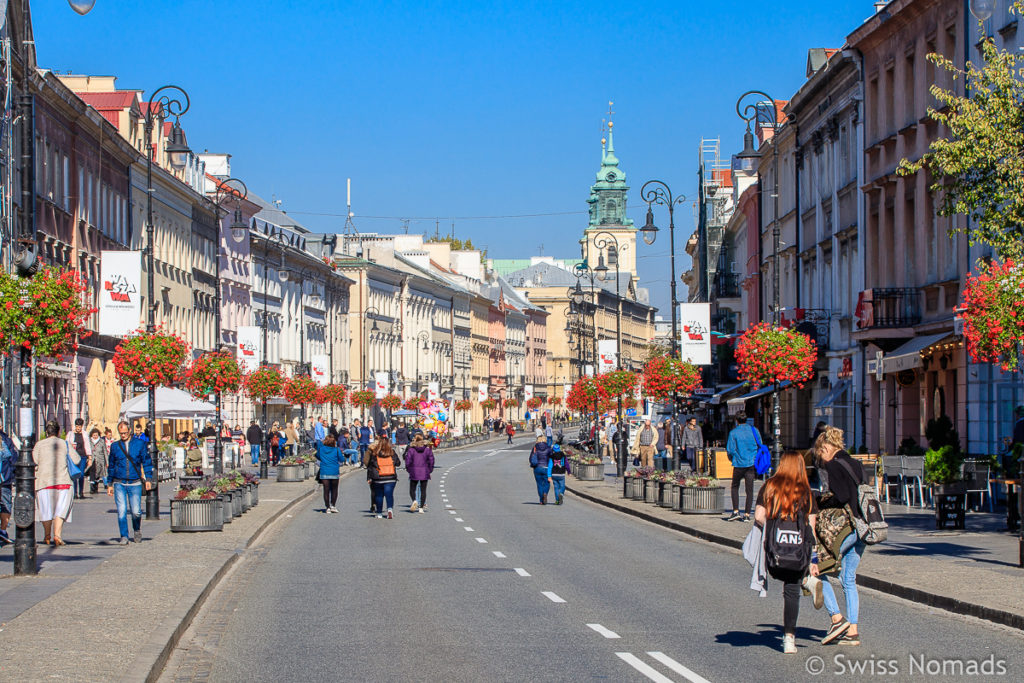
(978, 169)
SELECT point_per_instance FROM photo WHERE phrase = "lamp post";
(229, 189)
(301, 276)
(577, 296)
(371, 313)
(175, 102)
(393, 337)
(425, 338)
(607, 241)
(763, 111)
(279, 239)
(657, 192)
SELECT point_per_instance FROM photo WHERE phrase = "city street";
(498, 588)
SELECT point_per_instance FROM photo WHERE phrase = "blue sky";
(454, 110)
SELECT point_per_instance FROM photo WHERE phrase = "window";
(909, 90)
(66, 175)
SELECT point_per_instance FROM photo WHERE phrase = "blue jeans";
(550, 440)
(254, 451)
(559, 486)
(384, 490)
(351, 454)
(851, 551)
(541, 475)
(661, 460)
(126, 495)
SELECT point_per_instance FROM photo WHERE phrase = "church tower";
(607, 204)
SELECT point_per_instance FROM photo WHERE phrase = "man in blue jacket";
(742, 450)
(129, 469)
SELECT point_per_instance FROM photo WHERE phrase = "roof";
(103, 101)
(547, 275)
(271, 214)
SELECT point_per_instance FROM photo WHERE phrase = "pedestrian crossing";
(656, 675)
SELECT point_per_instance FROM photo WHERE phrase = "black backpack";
(788, 545)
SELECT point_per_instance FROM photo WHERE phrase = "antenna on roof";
(437, 229)
(405, 225)
(349, 232)
(275, 201)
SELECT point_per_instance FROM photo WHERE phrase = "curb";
(943, 602)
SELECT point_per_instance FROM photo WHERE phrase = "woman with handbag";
(54, 494)
(330, 458)
(840, 468)
(98, 446)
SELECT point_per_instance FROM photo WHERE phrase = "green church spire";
(608, 195)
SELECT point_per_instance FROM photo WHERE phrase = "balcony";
(888, 307)
(727, 286)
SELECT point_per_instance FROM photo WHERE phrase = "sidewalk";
(967, 572)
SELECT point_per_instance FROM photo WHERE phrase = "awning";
(824, 406)
(763, 391)
(908, 356)
(716, 398)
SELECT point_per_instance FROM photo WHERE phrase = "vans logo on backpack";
(788, 537)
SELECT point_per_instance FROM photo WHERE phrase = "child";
(558, 467)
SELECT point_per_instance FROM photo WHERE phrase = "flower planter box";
(227, 504)
(665, 494)
(637, 492)
(651, 491)
(197, 515)
(307, 470)
(699, 500)
(246, 497)
(290, 472)
(236, 503)
(254, 494)
(676, 488)
(627, 486)
(593, 472)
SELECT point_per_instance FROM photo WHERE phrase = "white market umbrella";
(171, 404)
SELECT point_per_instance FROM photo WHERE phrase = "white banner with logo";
(250, 347)
(433, 391)
(528, 392)
(695, 333)
(481, 393)
(607, 352)
(318, 368)
(120, 296)
(566, 388)
(380, 384)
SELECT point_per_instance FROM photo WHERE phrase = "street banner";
(566, 388)
(318, 368)
(481, 393)
(588, 370)
(695, 336)
(607, 352)
(120, 297)
(433, 391)
(380, 384)
(528, 392)
(250, 347)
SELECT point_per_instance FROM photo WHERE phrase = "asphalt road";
(499, 588)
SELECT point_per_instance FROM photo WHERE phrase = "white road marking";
(603, 631)
(551, 596)
(642, 667)
(521, 571)
(452, 512)
(447, 506)
(458, 519)
(481, 540)
(678, 668)
(498, 553)
(468, 528)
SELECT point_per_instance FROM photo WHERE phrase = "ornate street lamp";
(606, 241)
(83, 7)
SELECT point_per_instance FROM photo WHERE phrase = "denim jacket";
(118, 467)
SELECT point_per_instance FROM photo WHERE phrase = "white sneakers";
(789, 644)
(813, 585)
(391, 515)
(415, 506)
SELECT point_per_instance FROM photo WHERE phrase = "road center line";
(458, 519)
(603, 631)
(452, 512)
(498, 553)
(481, 540)
(468, 528)
(678, 668)
(642, 667)
(551, 596)
(521, 571)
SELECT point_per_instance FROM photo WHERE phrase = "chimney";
(880, 5)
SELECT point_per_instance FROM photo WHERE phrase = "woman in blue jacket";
(539, 462)
(330, 458)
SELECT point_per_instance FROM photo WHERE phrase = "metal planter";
(676, 489)
(651, 491)
(638, 488)
(698, 500)
(254, 493)
(227, 504)
(290, 473)
(593, 472)
(197, 515)
(246, 498)
(665, 493)
(627, 486)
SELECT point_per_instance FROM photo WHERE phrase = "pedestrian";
(128, 472)
(334, 430)
(786, 504)
(509, 431)
(549, 434)
(254, 435)
(840, 469)
(320, 431)
(382, 465)
(78, 443)
(193, 458)
(54, 489)
(741, 448)
(330, 457)
(646, 440)
(419, 462)
(660, 447)
(98, 452)
(818, 429)
(363, 433)
(539, 455)
(275, 442)
(207, 432)
(8, 458)
(693, 441)
(558, 467)
(291, 435)
(402, 439)
(539, 432)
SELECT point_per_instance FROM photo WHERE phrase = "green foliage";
(942, 465)
(455, 242)
(909, 447)
(940, 433)
(978, 169)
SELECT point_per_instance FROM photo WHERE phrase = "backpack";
(275, 440)
(788, 544)
(385, 466)
(763, 459)
(868, 518)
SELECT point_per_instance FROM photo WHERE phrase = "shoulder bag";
(74, 469)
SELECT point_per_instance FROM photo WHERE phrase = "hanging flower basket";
(301, 389)
(488, 404)
(362, 399)
(765, 355)
(264, 383)
(555, 401)
(665, 376)
(585, 393)
(629, 402)
(511, 403)
(151, 358)
(464, 405)
(332, 394)
(45, 312)
(619, 383)
(391, 402)
(213, 372)
(993, 314)
(412, 403)
(534, 403)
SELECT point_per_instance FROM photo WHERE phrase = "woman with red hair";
(787, 509)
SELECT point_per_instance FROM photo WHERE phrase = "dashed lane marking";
(521, 571)
(552, 596)
(499, 554)
(481, 540)
(468, 528)
(678, 668)
(643, 667)
(459, 519)
(603, 631)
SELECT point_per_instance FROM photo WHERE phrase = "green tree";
(978, 169)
